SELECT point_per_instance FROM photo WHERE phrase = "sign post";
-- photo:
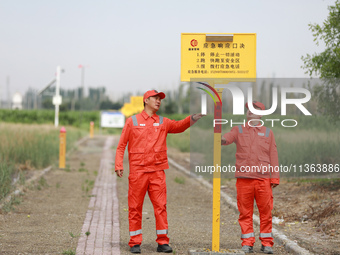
(217, 59)
(62, 148)
(57, 100)
(91, 129)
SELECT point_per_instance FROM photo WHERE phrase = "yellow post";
(91, 129)
(62, 148)
(217, 175)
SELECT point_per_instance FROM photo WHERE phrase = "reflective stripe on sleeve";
(266, 235)
(267, 132)
(248, 235)
(161, 232)
(160, 120)
(134, 233)
(134, 120)
(240, 129)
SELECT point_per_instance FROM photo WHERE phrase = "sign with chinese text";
(112, 119)
(218, 56)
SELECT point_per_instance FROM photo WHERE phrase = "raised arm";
(181, 125)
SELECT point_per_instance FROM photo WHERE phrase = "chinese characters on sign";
(203, 59)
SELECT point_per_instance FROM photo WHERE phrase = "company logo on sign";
(213, 90)
(194, 43)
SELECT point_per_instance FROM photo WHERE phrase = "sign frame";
(198, 58)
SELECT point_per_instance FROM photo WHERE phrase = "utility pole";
(82, 78)
(57, 98)
(8, 94)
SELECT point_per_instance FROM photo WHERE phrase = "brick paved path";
(102, 217)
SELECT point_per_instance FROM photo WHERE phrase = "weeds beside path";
(52, 210)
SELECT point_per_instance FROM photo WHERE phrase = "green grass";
(82, 169)
(180, 180)
(87, 185)
(69, 252)
(36, 144)
(9, 206)
(6, 172)
(66, 118)
(73, 235)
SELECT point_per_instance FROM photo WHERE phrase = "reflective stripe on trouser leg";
(264, 201)
(248, 235)
(266, 235)
(138, 184)
(245, 204)
(157, 194)
(161, 232)
(137, 232)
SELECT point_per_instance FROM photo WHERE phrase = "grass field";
(29, 146)
(314, 141)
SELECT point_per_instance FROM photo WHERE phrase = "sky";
(133, 46)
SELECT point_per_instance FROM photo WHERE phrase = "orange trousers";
(155, 184)
(261, 191)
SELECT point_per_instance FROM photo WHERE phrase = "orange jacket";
(146, 139)
(256, 152)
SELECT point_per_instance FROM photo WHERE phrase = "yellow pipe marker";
(91, 129)
(217, 176)
(62, 148)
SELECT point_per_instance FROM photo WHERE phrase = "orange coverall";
(256, 159)
(146, 139)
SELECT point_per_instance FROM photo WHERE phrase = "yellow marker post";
(217, 176)
(62, 148)
(91, 129)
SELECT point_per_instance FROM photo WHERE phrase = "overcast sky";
(130, 46)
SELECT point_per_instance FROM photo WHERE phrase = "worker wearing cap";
(145, 134)
(256, 173)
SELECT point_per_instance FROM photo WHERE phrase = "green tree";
(327, 63)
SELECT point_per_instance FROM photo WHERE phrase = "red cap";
(258, 104)
(152, 93)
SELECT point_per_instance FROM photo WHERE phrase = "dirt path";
(50, 217)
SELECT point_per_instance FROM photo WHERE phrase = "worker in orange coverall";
(257, 173)
(145, 134)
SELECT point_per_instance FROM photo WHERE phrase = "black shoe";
(247, 249)
(164, 248)
(267, 249)
(135, 249)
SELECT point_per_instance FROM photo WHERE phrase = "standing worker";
(257, 173)
(146, 135)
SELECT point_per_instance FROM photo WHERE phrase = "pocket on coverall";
(136, 156)
(161, 155)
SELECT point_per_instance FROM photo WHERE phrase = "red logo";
(193, 43)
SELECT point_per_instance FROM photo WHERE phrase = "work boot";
(135, 249)
(267, 249)
(247, 249)
(164, 248)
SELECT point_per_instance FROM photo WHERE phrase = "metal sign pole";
(57, 90)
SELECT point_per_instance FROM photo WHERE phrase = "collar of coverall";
(258, 126)
(146, 116)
